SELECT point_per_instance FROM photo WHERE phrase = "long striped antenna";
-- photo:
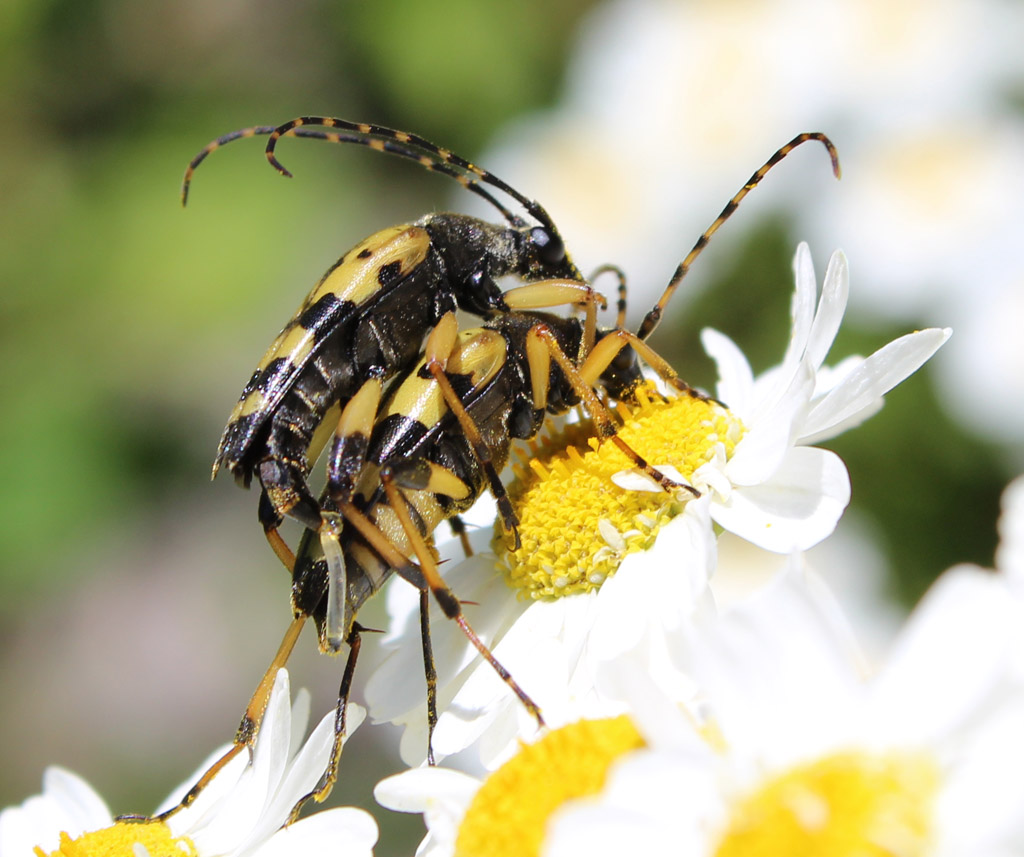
(241, 133)
(652, 318)
(416, 148)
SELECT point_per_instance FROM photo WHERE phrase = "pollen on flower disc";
(508, 815)
(575, 524)
(850, 804)
(124, 839)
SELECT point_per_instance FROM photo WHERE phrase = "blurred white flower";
(798, 754)
(242, 812)
(669, 104)
(1010, 554)
(788, 748)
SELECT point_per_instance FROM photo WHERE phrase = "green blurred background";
(139, 602)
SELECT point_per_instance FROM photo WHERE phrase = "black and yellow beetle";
(368, 315)
(438, 439)
(397, 469)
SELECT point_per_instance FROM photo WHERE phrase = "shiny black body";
(380, 337)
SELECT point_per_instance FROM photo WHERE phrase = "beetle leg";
(449, 604)
(344, 464)
(271, 521)
(426, 576)
(287, 492)
(252, 718)
(611, 344)
(541, 348)
(330, 774)
(458, 528)
(437, 352)
(551, 293)
(429, 671)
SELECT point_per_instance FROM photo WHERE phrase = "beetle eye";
(550, 249)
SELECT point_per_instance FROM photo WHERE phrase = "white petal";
(1010, 553)
(272, 750)
(420, 789)
(209, 801)
(230, 808)
(979, 806)
(67, 803)
(780, 675)
(299, 718)
(834, 293)
(802, 307)
(767, 441)
(535, 655)
(658, 783)
(597, 831)
(390, 692)
(301, 777)
(798, 507)
(663, 718)
(735, 377)
(878, 374)
(345, 832)
(659, 588)
(637, 480)
(950, 659)
(828, 378)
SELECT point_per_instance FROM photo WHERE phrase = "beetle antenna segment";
(333, 137)
(241, 133)
(416, 148)
(620, 275)
(652, 318)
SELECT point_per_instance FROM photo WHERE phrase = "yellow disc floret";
(846, 805)
(576, 525)
(124, 839)
(508, 815)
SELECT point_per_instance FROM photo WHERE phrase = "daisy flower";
(598, 538)
(242, 812)
(799, 754)
(506, 813)
(790, 750)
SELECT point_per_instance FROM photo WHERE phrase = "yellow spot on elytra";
(355, 277)
(508, 815)
(122, 840)
(249, 405)
(296, 344)
(575, 524)
(851, 804)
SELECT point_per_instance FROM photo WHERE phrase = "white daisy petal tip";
(635, 479)
(343, 831)
(422, 789)
(1010, 553)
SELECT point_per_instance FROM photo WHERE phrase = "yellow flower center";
(508, 815)
(846, 805)
(124, 839)
(575, 524)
